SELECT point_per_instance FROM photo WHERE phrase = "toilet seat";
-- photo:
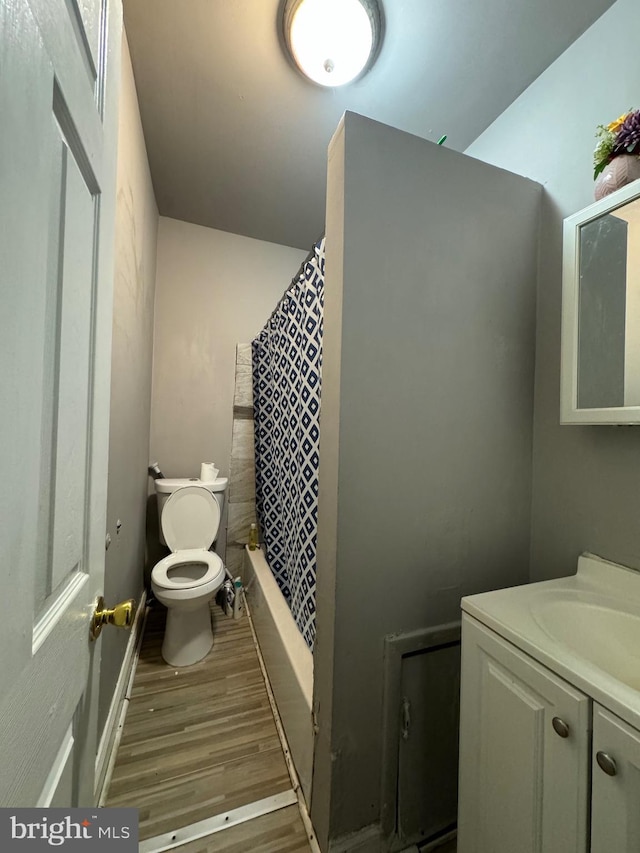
(213, 572)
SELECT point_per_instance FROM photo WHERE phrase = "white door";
(615, 810)
(524, 752)
(59, 80)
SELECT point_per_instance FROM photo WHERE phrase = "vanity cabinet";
(531, 772)
(524, 752)
(615, 817)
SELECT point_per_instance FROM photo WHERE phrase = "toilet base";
(188, 636)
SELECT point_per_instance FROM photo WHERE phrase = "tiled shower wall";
(242, 479)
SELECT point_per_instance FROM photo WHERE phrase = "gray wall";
(213, 291)
(425, 460)
(135, 270)
(585, 478)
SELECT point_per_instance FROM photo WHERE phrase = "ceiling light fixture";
(332, 41)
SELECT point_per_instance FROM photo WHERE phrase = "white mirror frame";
(569, 411)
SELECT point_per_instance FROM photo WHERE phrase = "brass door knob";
(122, 616)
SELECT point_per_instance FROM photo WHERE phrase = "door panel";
(85, 14)
(522, 786)
(512, 736)
(71, 420)
(80, 100)
(42, 573)
(58, 789)
(56, 231)
(428, 751)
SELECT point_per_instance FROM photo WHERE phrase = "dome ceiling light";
(332, 41)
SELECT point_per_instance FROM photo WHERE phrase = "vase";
(622, 170)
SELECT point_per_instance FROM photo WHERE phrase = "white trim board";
(202, 828)
(293, 775)
(117, 710)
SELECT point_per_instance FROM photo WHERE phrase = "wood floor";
(201, 741)
(278, 832)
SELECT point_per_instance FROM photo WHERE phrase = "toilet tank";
(164, 488)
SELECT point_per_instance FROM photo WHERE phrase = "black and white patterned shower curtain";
(287, 360)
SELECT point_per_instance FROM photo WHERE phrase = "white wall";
(426, 423)
(134, 285)
(585, 480)
(213, 291)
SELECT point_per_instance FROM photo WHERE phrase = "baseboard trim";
(109, 739)
(444, 840)
(365, 840)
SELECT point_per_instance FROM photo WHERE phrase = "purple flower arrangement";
(622, 136)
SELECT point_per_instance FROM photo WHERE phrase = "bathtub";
(288, 661)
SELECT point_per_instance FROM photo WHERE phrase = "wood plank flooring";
(278, 832)
(199, 741)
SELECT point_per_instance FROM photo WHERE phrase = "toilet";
(186, 580)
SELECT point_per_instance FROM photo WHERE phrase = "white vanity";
(550, 715)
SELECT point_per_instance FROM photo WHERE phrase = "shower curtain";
(287, 361)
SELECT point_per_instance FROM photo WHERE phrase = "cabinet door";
(523, 786)
(615, 809)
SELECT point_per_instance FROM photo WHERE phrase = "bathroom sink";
(584, 627)
(601, 630)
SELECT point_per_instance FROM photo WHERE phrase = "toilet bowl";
(186, 580)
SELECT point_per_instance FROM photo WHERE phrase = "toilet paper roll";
(208, 472)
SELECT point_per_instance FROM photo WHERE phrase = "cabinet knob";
(606, 763)
(560, 727)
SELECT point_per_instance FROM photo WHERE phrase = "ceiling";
(237, 138)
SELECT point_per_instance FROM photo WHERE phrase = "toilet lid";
(190, 518)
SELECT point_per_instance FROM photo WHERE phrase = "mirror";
(600, 371)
